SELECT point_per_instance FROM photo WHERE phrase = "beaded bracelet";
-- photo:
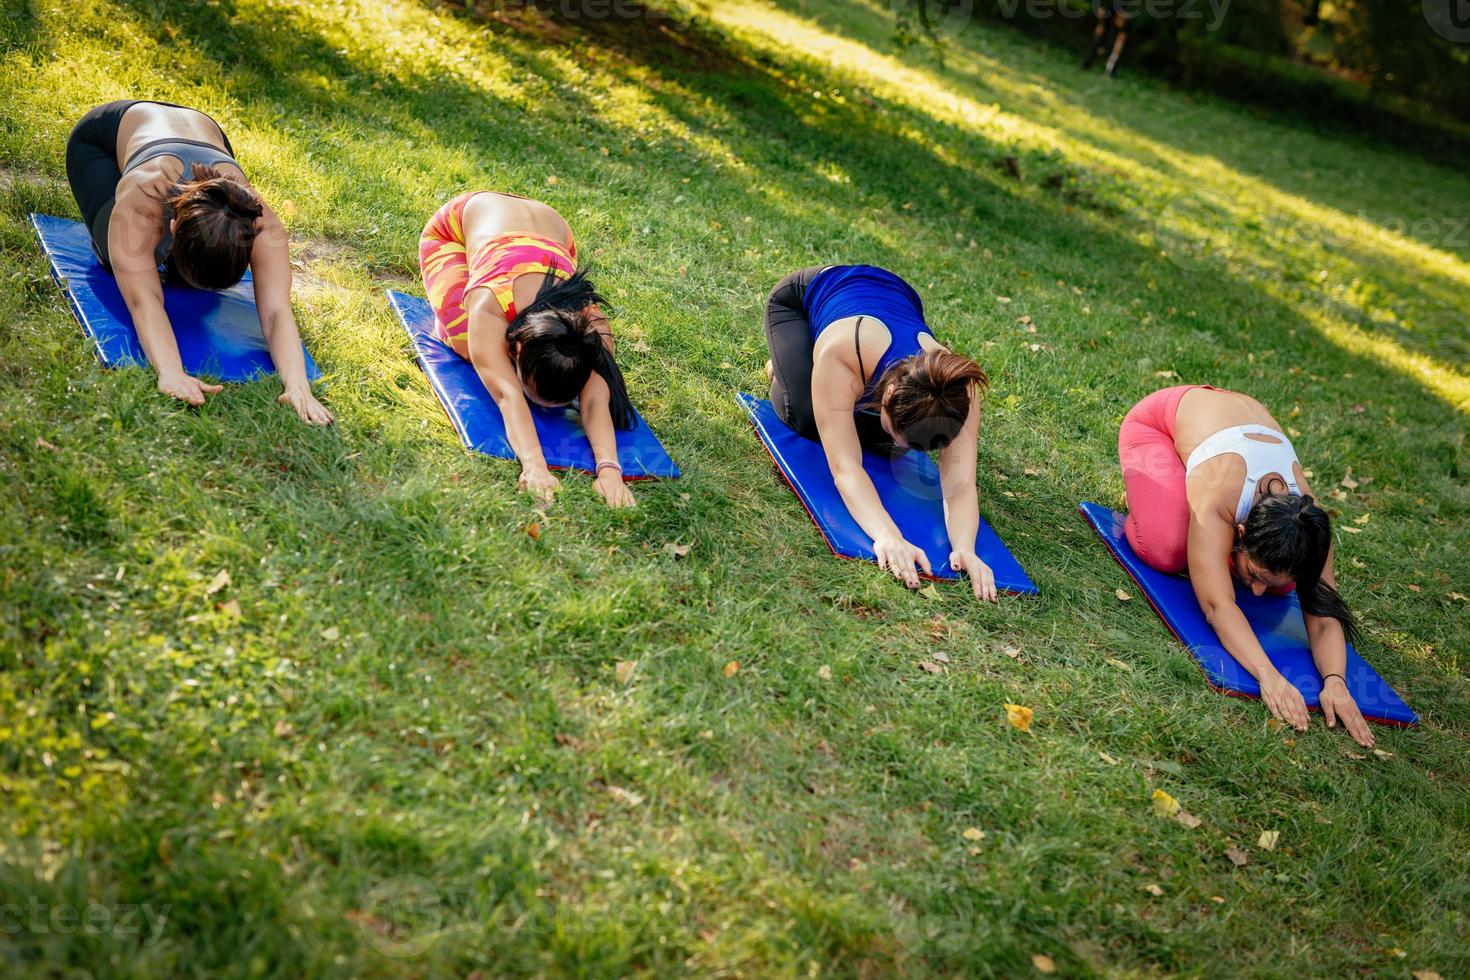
(606, 463)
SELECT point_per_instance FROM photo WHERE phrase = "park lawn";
(397, 742)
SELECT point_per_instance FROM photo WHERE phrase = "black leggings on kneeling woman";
(789, 337)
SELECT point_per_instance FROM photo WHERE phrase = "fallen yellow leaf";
(625, 795)
(1186, 819)
(1107, 758)
(973, 833)
(533, 531)
(1122, 595)
(732, 668)
(1044, 963)
(1362, 520)
(1154, 890)
(1113, 662)
(231, 608)
(929, 592)
(623, 670)
(1425, 975)
(218, 582)
(1164, 804)
(1019, 716)
(1267, 840)
(824, 672)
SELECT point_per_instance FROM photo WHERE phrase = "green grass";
(405, 751)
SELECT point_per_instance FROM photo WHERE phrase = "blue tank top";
(866, 290)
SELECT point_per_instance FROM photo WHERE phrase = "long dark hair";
(556, 344)
(214, 228)
(1288, 534)
(927, 397)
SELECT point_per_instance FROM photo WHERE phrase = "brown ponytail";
(927, 396)
(214, 228)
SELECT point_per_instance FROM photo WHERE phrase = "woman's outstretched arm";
(491, 360)
(595, 401)
(844, 452)
(270, 264)
(132, 235)
(1329, 653)
(957, 465)
(1211, 538)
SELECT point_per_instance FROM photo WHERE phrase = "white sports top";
(1260, 458)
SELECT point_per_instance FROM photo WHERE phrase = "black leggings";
(789, 337)
(92, 169)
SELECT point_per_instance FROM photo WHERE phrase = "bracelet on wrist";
(608, 464)
(1338, 676)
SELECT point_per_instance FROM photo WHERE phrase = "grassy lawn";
(396, 744)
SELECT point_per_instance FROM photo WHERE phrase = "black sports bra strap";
(857, 338)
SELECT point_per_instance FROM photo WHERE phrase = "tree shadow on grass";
(1395, 250)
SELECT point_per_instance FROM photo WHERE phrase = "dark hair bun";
(557, 343)
(1289, 534)
(214, 228)
(927, 396)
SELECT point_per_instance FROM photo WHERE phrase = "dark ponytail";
(1288, 534)
(927, 396)
(214, 228)
(556, 343)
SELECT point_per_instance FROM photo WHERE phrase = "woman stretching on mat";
(165, 201)
(853, 364)
(501, 275)
(1214, 486)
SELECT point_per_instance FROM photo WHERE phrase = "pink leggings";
(1153, 481)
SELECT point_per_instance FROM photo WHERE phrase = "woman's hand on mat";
(538, 482)
(1338, 706)
(1284, 700)
(982, 579)
(899, 557)
(186, 389)
(610, 484)
(304, 404)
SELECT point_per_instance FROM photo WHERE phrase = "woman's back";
(1204, 411)
(149, 122)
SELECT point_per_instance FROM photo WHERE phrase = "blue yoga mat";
(477, 418)
(1277, 620)
(908, 485)
(218, 331)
